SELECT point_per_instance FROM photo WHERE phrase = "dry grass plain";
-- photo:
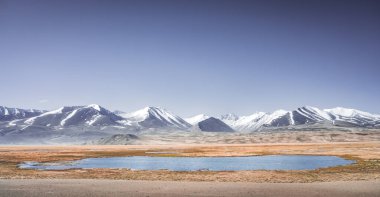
(366, 154)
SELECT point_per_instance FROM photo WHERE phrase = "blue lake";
(268, 162)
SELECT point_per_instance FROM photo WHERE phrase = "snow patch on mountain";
(196, 119)
(339, 112)
(229, 119)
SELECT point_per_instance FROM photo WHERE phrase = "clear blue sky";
(190, 57)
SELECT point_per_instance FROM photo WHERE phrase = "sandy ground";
(85, 187)
(359, 179)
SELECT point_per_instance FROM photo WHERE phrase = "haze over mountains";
(93, 122)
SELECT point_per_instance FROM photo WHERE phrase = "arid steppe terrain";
(366, 167)
(360, 178)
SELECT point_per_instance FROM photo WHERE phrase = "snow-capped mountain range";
(303, 116)
(91, 115)
(84, 124)
(160, 118)
(7, 114)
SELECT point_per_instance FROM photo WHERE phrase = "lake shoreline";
(366, 155)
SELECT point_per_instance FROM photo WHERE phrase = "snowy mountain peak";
(252, 117)
(196, 119)
(156, 117)
(156, 110)
(279, 112)
(144, 113)
(312, 113)
(309, 108)
(95, 106)
(353, 116)
(229, 119)
(347, 112)
(229, 116)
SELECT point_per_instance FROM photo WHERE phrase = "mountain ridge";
(160, 118)
(155, 117)
(303, 116)
(91, 123)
